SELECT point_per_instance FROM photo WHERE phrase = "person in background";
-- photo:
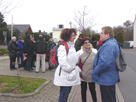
(86, 57)
(50, 46)
(46, 58)
(99, 44)
(12, 48)
(41, 47)
(94, 42)
(20, 57)
(104, 71)
(67, 72)
(78, 42)
(30, 53)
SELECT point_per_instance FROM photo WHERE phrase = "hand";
(23, 41)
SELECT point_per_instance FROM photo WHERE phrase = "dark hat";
(19, 37)
(84, 39)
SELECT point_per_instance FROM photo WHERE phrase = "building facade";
(57, 31)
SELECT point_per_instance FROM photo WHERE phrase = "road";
(127, 84)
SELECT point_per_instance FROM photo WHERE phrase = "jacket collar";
(70, 44)
(87, 50)
(107, 39)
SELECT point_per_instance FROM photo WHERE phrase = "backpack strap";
(67, 50)
(65, 44)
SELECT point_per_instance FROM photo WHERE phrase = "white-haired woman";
(12, 47)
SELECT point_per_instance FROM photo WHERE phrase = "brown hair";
(108, 30)
(66, 34)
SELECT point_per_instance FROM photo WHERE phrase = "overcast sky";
(45, 14)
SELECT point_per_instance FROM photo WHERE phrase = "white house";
(134, 33)
(57, 31)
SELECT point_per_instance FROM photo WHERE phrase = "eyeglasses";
(86, 42)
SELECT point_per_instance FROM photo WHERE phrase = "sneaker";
(11, 68)
(36, 72)
(14, 68)
(50, 69)
(47, 69)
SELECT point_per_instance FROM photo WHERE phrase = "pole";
(70, 24)
(12, 28)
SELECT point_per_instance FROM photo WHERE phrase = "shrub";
(96, 35)
(3, 51)
(119, 37)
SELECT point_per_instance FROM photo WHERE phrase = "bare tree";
(6, 6)
(83, 20)
(128, 30)
(118, 29)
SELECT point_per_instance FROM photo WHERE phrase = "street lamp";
(70, 24)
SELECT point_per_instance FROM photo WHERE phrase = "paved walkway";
(49, 93)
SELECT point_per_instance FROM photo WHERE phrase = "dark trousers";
(12, 62)
(108, 93)
(91, 88)
(20, 59)
(29, 62)
(64, 93)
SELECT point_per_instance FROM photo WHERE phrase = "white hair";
(40, 36)
(13, 37)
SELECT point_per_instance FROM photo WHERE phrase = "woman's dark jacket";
(12, 47)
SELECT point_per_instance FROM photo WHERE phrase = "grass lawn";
(21, 85)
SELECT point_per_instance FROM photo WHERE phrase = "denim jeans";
(108, 93)
(20, 59)
(29, 62)
(64, 93)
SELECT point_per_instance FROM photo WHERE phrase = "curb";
(26, 95)
(74, 93)
(5, 57)
(119, 96)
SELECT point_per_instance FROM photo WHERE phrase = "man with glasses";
(104, 71)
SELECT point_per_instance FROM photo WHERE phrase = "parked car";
(131, 44)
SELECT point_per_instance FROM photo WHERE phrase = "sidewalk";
(77, 97)
(50, 92)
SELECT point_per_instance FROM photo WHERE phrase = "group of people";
(87, 65)
(34, 51)
(84, 63)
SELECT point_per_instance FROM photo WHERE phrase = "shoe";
(36, 72)
(47, 69)
(50, 69)
(11, 68)
(14, 68)
(29, 71)
(43, 72)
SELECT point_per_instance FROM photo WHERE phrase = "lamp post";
(12, 28)
(70, 24)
